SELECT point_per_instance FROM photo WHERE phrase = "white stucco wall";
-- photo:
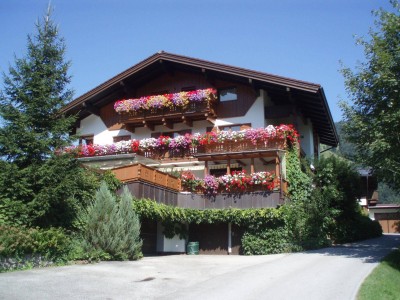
(255, 115)
(102, 136)
(306, 136)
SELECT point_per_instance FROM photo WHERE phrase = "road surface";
(330, 273)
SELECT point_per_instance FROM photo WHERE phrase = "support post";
(252, 170)
(229, 238)
(205, 168)
(277, 166)
(228, 167)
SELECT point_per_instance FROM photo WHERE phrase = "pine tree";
(34, 91)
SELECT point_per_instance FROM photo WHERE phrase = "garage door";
(390, 222)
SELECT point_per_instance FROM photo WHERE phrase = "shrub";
(52, 243)
(82, 250)
(111, 227)
(267, 241)
(358, 228)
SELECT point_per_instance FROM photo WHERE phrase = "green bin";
(193, 248)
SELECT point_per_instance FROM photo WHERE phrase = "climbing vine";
(300, 186)
(175, 219)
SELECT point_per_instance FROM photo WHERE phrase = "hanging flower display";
(155, 102)
(185, 142)
(236, 182)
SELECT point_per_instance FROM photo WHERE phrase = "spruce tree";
(38, 188)
(34, 91)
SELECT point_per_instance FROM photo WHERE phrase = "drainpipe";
(229, 238)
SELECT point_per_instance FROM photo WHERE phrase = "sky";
(305, 40)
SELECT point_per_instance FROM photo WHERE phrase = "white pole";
(229, 238)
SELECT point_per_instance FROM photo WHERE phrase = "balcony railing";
(139, 172)
(192, 109)
(215, 148)
(239, 146)
(195, 145)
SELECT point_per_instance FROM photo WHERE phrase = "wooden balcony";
(169, 116)
(139, 172)
(243, 146)
(228, 148)
(148, 183)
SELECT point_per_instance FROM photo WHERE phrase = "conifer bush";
(112, 226)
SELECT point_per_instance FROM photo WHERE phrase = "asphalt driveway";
(330, 273)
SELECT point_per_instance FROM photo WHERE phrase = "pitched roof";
(310, 96)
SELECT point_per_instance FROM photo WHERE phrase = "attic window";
(229, 94)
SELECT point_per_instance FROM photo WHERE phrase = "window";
(235, 127)
(222, 172)
(119, 138)
(228, 94)
(86, 139)
(171, 134)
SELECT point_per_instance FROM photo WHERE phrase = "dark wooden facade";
(260, 199)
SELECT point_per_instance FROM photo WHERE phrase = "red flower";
(134, 145)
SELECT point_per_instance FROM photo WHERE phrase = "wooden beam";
(207, 76)
(90, 108)
(205, 168)
(187, 121)
(148, 125)
(129, 91)
(253, 85)
(168, 124)
(277, 167)
(267, 162)
(252, 170)
(166, 67)
(241, 163)
(129, 127)
(210, 119)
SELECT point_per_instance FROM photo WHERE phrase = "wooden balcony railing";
(239, 146)
(139, 172)
(166, 116)
(225, 147)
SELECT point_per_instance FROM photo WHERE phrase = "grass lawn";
(384, 281)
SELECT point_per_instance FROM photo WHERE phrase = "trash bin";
(193, 248)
